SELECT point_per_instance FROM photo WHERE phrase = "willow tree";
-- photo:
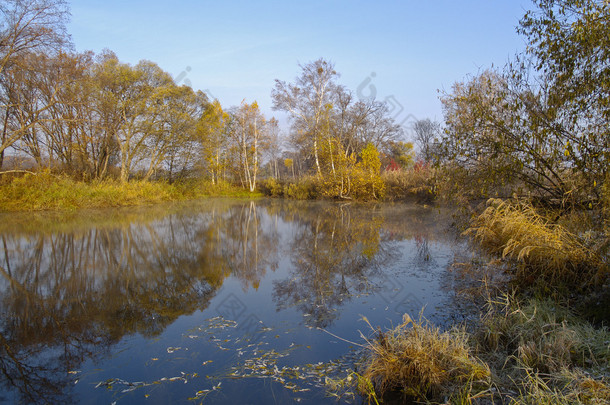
(569, 41)
(546, 130)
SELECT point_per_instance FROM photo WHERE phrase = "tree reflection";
(69, 296)
(335, 253)
(70, 291)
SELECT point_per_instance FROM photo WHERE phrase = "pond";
(214, 301)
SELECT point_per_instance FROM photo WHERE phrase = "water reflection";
(334, 253)
(71, 288)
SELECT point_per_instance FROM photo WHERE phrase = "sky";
(403, 52)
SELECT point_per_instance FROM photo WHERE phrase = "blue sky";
(403, 51)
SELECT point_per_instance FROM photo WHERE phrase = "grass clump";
(543, 353)
(544, 253)
(532, 352)
(421, 362)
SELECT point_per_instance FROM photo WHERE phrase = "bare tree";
(26, 26)
(426, 134)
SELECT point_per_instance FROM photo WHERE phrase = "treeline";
(540, 127)
(537, 128)
(94, 117)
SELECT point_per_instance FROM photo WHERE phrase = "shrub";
(272, 187)
(304, 189)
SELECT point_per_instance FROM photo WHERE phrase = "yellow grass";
(422, 362)
(44, 191)
(545, 254)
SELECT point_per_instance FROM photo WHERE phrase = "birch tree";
(307, 101)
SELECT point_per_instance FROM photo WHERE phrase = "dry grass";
(418, 360)
(414, 183)
(543, 354)
(545, 253)
(565, 388)
(526, 353)
(44, 191)
(542, 336)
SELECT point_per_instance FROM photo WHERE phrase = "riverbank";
(541, 335)
(44, 191)
(521, 352)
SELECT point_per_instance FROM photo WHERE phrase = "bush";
(272, 187)
(305, 189)
(367, 186)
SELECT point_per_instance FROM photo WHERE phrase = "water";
(216, 301)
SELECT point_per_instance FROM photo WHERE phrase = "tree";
(307, 101)
(547, 131)
(212, 132)
(289, 164)
(426, 135)
(26, 27)
(275, 146)
(368, 183)
(137, 100)
(250, 138)
(570, 45)
(494, 134)
(402, 153)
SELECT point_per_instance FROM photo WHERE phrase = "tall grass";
(544, 353)
(545, 254)
(542, 336)
(421, 362)
(44, 191)
(417, 183)
(531, 352)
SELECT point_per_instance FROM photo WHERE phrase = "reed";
(415, 183)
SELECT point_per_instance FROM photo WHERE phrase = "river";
(213, 301)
